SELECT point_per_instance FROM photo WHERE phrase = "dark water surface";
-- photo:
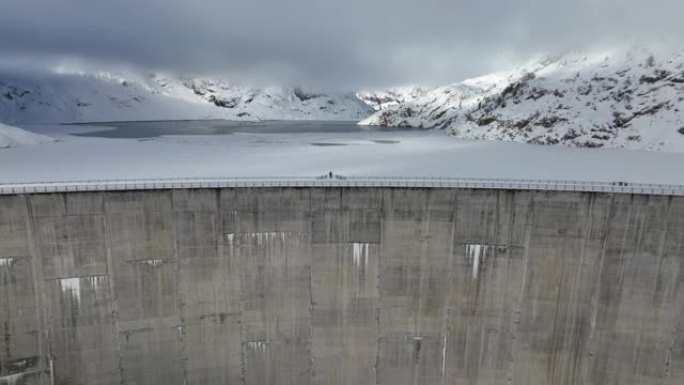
(152, 129)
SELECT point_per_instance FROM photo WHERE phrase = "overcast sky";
(325, 44)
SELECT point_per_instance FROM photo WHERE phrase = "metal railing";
(341, 181)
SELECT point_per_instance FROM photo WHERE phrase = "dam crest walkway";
(616, 187)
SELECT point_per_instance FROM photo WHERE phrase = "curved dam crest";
(341, 285)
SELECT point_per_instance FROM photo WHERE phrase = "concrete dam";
(341, 286)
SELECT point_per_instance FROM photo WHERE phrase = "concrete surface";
(341, 286)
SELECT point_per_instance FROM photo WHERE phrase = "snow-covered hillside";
(628, 98)
(14, 137)
(86, 96)
(380, 100)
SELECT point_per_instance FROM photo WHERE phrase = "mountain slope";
(14, 137)
(631, 99)
(80, 96)
(380, 100)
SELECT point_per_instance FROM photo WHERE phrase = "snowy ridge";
(381, 100)
(14, 137)
(631, 98)
(86, 96)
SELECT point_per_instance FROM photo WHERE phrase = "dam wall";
(341, 286)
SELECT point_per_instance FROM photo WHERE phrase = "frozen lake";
(225, 127)
(212, 149)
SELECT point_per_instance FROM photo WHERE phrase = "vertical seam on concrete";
(624, 236)
(497, 216)
(224, 264)
(679, 330)
(620, 280)
(516, 322)
(597, 293)
(661, 252)
(312, 370)
(176, 277)
(44, 346)
(640, 238)
(662, 243)
(512, 223)
(236, 253)
(508, 198)
(112, 291)
(586, 240)
(378, 305)
(451, 274)
(424, 241)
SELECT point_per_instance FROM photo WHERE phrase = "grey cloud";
(328, 44)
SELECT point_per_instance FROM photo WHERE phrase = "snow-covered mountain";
(13, 137)
(380, 100)
(630, 98)
(87, 96)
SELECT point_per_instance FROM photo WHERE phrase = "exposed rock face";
(632, 99)
(380, 100)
